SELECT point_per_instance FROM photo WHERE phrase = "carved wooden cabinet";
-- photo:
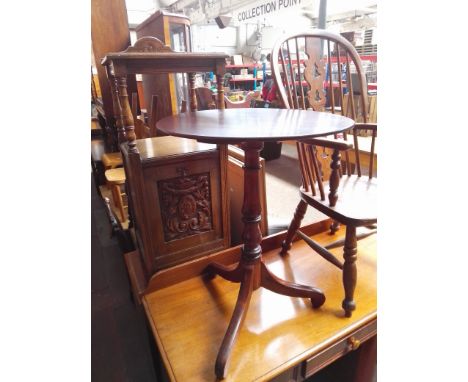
(182, 198)
(177, 188)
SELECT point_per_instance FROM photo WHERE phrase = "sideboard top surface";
(189, 319)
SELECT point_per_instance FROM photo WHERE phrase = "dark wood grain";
(253, 124)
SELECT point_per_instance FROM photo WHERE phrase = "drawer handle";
(353, 343)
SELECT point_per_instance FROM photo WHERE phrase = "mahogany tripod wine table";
(251, 128)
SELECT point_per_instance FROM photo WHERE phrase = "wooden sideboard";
(282, 339)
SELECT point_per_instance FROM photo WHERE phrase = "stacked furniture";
(176, 188)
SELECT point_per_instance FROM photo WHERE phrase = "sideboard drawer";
(342, 347)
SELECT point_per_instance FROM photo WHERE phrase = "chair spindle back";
(322, 71)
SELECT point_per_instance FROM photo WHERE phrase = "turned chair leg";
(119, 201)
(349, 270)
(334, 227)
(294, 226)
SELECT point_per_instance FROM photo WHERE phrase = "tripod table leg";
(232, 273)
(277, 285)
(240, 311)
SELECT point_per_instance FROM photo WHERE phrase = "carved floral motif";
(185, 205)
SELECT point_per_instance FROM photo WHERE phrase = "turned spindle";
(193, 97)
(334, 177)
(121, 136)
(349, 270)
(220, 87)
(126, 112)
(251, 207)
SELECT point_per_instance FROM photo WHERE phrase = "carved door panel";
(184, 200)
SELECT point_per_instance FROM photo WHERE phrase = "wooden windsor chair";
(313, 71)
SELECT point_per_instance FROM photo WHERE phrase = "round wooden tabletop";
(253, 124)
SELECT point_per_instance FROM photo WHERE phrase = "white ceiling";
(139, 10)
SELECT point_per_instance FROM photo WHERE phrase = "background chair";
(115, 179)
(115, 174)
(205, 99)
(313, 70)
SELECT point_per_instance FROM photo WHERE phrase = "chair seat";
(112, 160)
(357, 201)
(115, 176)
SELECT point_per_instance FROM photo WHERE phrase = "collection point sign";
(266, 8)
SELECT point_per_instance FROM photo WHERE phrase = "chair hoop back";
(319, 53)
(322, 71)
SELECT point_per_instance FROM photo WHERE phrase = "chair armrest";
(366, 126)
(329, 143)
